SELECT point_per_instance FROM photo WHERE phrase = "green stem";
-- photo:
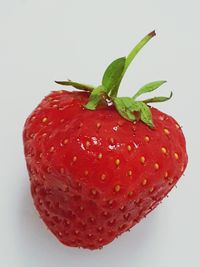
(130, 58)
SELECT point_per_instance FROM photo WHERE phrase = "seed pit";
(98, 125)
(142, 159)
(103, 177)
(117, 188)
(166, 131)
(117, 162)
(44, 119)
(144, 182)
(129, 148)
(129, 173)
(163, 150)
(65, 141)
(176, 156)
(100, 156)
(156, 166)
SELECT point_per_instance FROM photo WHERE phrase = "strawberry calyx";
(127, 107)
(77, 85)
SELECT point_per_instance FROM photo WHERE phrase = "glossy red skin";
(85, 198)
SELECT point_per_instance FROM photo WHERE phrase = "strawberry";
(99, 163)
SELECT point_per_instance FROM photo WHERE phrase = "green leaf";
(113, 74)
(95, 98)
(76, 85)
(126, 107)
(149, 87)
(158, 99)
(123, 106)
(146, 115)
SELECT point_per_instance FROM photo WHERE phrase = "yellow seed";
(86, 172)
(144, 182)
(163, 150)
(55, 106)
(161, 118)
(176, 156)
(44, 134)
(129, 148)
(33, 118)
(55, 100)
(129, 172)
(60, 92)
(166, 131)
(100, 156)
(100, 239)
(156, 166)
(146, 138)
(103, 177)
(112, 140)
(52, 149)
(130, 193)
(117, 188)
(151, 189)
(142, 159)
(65, 141)
(117, 162)
(166, 174)
(171, 180)
(44, 119)
(87, 144)
(177, 126)
(182, 168)
(98, 125)
(74, 158)
(40, 156)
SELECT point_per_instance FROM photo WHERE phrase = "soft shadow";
(39, 248)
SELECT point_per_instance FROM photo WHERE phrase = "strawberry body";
(94, 174)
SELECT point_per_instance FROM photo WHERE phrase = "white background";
(44, 40)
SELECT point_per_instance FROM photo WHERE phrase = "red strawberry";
(96, 173)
